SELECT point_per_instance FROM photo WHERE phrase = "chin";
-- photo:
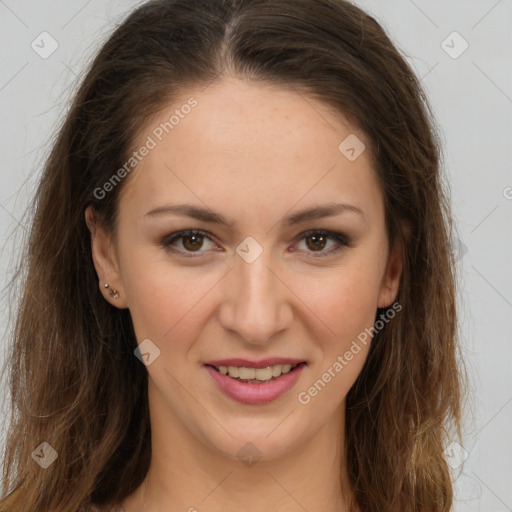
(255, 440)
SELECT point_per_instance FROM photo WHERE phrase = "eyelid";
(167, 241)
(342, 240)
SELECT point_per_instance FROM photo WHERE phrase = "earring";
(113, 292)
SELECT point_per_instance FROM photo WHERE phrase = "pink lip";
(262, 363)
(247, 393)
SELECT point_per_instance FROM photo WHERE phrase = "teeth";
(233, 371)
(261, 374)
(276, 370)
(244, 373)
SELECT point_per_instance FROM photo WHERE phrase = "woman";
(239, 289)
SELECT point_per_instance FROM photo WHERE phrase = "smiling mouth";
(256, 375)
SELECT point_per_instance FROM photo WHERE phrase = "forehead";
(254, 147)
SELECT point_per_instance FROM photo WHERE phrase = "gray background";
(471, 93)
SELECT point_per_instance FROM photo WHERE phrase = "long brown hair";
(73, 377)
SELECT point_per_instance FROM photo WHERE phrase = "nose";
(255, 301)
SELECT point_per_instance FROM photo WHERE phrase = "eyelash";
(338, 237)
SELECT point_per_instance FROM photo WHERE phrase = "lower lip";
(255, 393)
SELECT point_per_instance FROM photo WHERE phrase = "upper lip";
(262, 363)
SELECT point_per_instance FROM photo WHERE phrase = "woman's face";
(265, 281)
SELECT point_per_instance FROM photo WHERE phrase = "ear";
(391, 279)
(105, 261)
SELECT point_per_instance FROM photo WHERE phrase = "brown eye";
(192, 242)
(187, 243)
(316, 242)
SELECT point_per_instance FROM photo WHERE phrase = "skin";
(254, 154)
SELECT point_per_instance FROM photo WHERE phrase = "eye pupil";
(195, 245)
(316, 239)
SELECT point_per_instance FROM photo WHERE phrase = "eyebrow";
(208, 215)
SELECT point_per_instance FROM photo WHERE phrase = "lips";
(255, 382)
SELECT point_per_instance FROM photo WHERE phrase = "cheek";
(165, 301)
(345, 300)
